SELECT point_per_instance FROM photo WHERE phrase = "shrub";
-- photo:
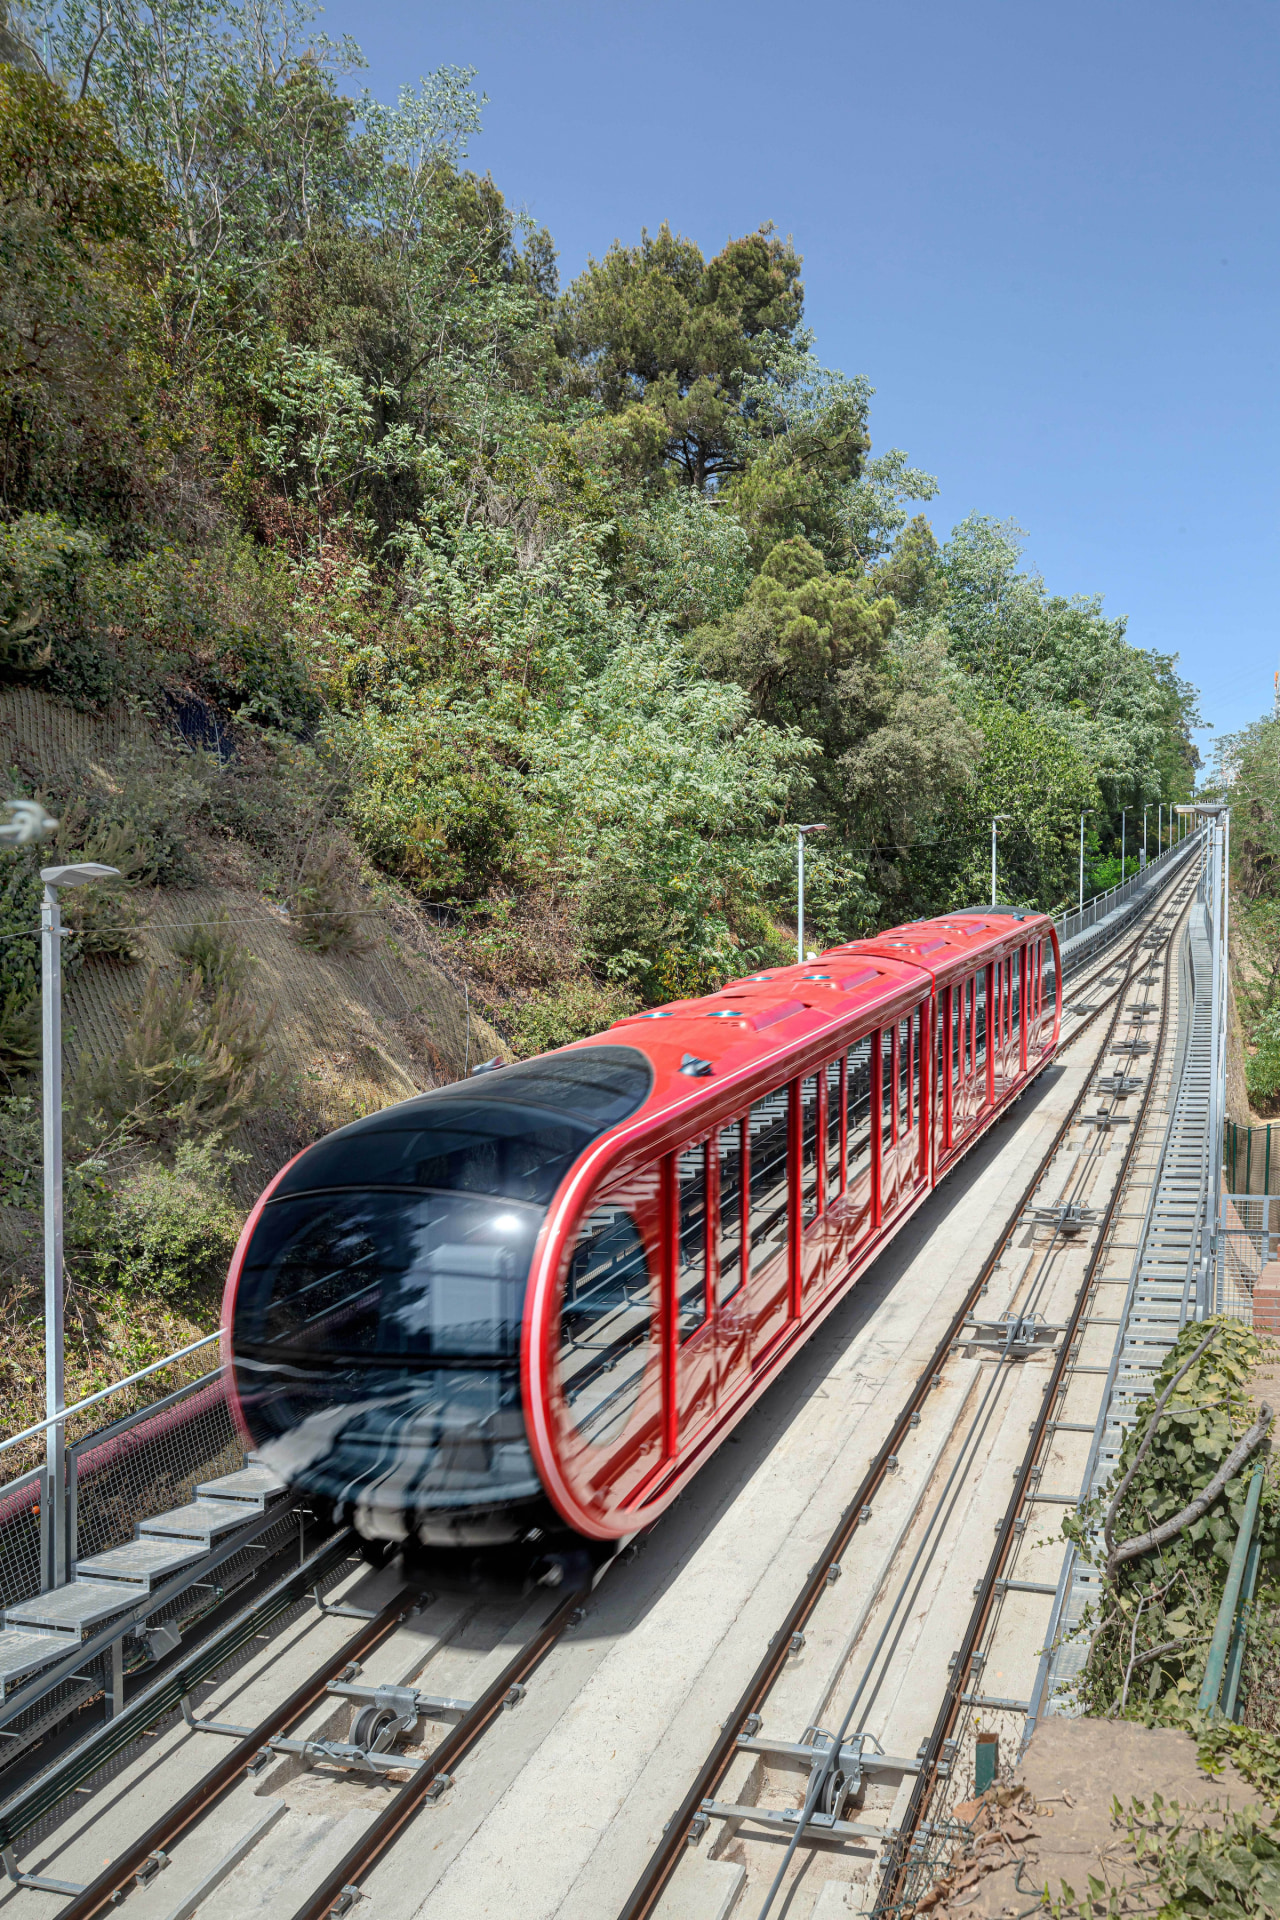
(211, 949)
(581, 1008)
(192, 1060)
(322, 905)
(51, 585)
(169, 1231)
(434, 807)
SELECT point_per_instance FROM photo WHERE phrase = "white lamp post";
(1087, 810)
(994, 818)
(1145, 811)
(1123, 812)
(816, 826)
(51, 1101)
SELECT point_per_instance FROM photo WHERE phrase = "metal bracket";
(439, 1787)
(341, 1611)
(1119, 1083)
(350, 1894)
(823, 1826)
(1067, 1219)
(39, 1881)
(228, 1727)
(153, 1864)
(1013, 1336)
(1104, 1121)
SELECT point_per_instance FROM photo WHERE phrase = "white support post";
(55, 1573)
(54, 1528)
(800, 896)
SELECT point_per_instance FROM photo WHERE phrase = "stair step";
(23, 1652)
(251, 1487)
(202, 1520)
(69, 1611)
(140, 1563)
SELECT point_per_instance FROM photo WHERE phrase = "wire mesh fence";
(1251, 1158)
(1248, 1240)
(147, 1462)
(165, 1435)
(21, 1544)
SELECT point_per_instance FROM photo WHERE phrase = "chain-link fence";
(1251, 1158)
(1248, 1240)
(22, 1554)
(171, 1429)
(146, 1463)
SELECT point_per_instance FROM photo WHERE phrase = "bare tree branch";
(1168, 1529)
(1147, 1438)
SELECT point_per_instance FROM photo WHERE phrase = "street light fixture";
(51, 932)
(1123, 812)
(816, 826)
(1145, 811)
(1087, 810)
(994, 818)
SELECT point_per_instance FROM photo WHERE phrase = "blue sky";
(1046, 234)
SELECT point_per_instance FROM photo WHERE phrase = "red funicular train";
(529, 1305)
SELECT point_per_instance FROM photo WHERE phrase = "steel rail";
(111, 1882)
(341, 1886)
(959, 1678)
(649, 1888)
(179, 1677)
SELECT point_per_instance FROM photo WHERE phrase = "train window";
(887, 1088)
(606, 1325)
(1049, 976)
(768, 1137)
(729, 1152)
(968, 1029)
(906, 1066)
(1015, 1004)
(515, 1137)
(691, 1275)
(980, 1021)
(940, 1053)
(386, 1275)
(809, 1149)
(957, 1031)
(858, 1107)
(834, 1177)
(917, 1062)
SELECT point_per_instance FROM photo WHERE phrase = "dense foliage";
(1248, 776)
(582, 595)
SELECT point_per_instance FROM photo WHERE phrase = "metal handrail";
(1070, 924)
(105, 1393)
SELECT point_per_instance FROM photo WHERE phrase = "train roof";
(748, 1022)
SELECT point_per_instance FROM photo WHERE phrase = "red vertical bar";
(877, 1205)
(670, 1255)
(794, 1183)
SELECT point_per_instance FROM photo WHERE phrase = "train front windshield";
(378, 1316)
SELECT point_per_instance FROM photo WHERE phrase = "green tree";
(77, 219)
(816, 652)
(657, 328)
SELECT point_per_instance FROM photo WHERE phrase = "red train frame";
(953, 979)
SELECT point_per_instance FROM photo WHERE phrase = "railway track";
(915, 1641)
(432, 1684)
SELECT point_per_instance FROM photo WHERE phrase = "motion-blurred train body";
(528, 1306)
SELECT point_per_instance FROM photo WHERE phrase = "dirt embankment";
(1058, 1826)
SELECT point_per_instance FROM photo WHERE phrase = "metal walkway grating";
(1162, 1292)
